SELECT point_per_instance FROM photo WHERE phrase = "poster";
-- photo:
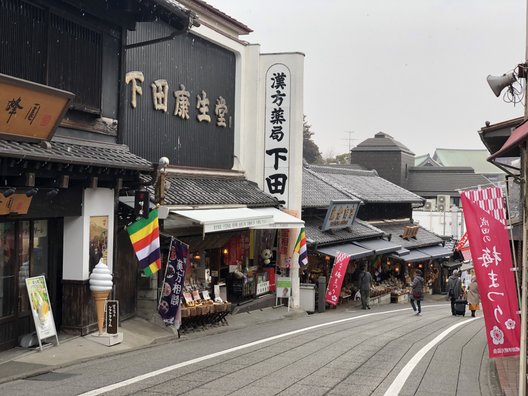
(98, 239)
(283, 287)
(41, 308)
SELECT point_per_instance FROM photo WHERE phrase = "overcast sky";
(415, 69)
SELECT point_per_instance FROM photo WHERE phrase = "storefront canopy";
(216, 220)
(351, 249)
(413, 256)
(436, 251)
(280, 219)
(378, 245)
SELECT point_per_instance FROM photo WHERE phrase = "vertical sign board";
(112, 316)
(41, 308)
(277, 132)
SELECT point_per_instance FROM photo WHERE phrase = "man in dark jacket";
(365, 280)
(454, 289)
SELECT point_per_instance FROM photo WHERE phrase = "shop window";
(23, 259)
(7, 269)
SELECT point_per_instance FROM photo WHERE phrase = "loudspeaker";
(498, 83)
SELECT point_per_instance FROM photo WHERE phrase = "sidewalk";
(137, 332)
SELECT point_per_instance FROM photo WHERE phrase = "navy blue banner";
(171, 292)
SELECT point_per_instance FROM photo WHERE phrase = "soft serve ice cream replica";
(101, 286)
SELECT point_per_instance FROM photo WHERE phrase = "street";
(384, 351)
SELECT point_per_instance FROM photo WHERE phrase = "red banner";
(336, 279)
(490, 250)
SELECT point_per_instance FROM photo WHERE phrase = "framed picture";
(98, 239)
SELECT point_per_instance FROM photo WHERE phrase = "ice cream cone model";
(100, 286)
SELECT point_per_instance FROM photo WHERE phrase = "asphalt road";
(384, 351)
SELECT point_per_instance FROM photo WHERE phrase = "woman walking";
(417, 292)
(473, 296)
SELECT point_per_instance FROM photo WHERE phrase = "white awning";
(216, 220)
(280, 219)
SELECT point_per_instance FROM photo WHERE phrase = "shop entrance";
(27, 249)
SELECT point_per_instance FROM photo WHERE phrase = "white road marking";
(401, 378)
(143, 377)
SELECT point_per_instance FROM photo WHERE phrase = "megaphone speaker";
(498, 83)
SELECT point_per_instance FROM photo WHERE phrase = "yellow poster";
(41, 307)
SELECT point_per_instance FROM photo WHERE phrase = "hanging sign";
(30, 111)
(492, 262)
(41, 308)
(340, 214)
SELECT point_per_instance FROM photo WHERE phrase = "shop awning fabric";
(436, 251)
(424, 254)
(351, 249)
(280, 219)
(216, 220)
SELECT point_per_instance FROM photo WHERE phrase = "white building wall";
(450, 223)
(96, 202)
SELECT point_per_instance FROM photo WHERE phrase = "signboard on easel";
(41, 308)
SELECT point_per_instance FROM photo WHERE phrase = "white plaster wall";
(96, 202)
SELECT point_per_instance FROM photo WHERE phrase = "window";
(7, 269)
(49, 49)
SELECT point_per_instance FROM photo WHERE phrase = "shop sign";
(16, 203)
(183, 104)
(340, 214)
(41, 308)
(236, 224)
(336, 279)
(173, 282)
(112, 316)
(284, 286)
(30, 111)
(277, 132)
(263, 287)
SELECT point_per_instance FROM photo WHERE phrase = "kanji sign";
(336, 279)
(490, 250)
(30, 111)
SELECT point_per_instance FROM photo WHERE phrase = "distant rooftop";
(476, 159)
(382, 142)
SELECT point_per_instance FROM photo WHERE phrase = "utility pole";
(349, 139)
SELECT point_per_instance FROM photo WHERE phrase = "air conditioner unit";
(430, 205)
(443, 202)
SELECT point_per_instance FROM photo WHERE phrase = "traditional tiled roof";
(429, 181)
(425, 160)
(382, 142)
(365, 185)
(199, 190)
(318, 193)
(359, 230)
(423, 237)
(62, 150)
(476, 159)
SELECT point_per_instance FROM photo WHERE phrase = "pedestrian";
(417, 292)
(473, 296)
(365, 280)
(454, 289)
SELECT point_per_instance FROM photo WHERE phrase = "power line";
(349, 139)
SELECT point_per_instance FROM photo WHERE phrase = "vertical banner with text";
(336, 279)
(170, 299)
(492, 261)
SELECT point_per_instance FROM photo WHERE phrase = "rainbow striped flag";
(300, 247)
(144, 235)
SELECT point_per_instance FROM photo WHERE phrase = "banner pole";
(522, 357)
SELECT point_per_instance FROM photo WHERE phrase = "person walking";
(473, 296)
(365, 280)
(454, 289)
(417, 292)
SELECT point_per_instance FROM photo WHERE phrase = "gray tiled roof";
(317, 193)
(77, 153)
(423, 237)
(359, 230)
(365, 185)
(430, 181)
(187, 190)
(381, 142)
